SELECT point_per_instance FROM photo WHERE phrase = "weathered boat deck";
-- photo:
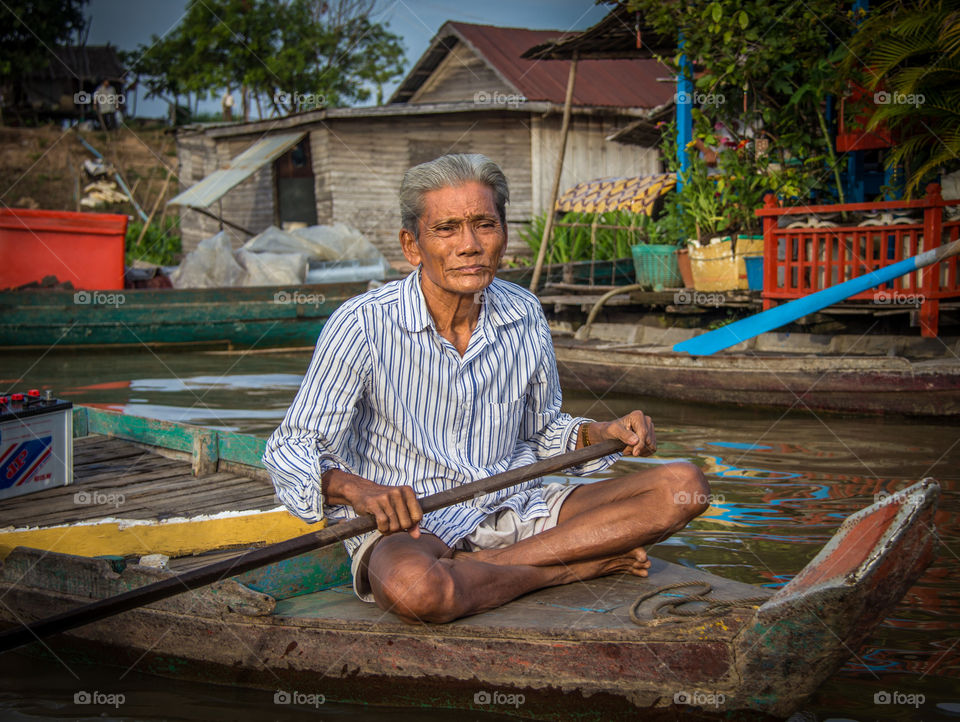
(599, 608)
(153, 487)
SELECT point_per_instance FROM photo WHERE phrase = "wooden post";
(930, 276)
(206, 454)
(564, 129)
(770, 257)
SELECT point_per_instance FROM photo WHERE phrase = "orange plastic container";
(83, 248)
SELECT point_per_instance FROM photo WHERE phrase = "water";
(782, 483)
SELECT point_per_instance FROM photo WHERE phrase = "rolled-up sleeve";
(549, 430)
(317, 432)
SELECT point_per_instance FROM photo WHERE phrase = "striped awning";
(637, 194)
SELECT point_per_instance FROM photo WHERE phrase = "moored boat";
(604, 649)
(852, 374)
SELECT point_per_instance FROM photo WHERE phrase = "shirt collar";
(415, 316)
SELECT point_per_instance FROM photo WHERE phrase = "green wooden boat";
(619, 647)
(216, 318)
(223, 318)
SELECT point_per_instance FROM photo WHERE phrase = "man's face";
(461, 240)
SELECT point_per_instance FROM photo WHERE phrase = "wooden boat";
(220, 318)
(872, 375)
(604, 649)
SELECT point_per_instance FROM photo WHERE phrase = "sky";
(129, 23)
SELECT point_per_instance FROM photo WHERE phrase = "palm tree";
(909, 53)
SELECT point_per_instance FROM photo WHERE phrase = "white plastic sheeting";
(316, 254)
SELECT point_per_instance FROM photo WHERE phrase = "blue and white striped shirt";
(386, 397)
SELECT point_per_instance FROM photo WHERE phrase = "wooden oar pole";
(551, 209)
(255, 558)
(746, 328)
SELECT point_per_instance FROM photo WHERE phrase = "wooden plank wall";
(589, 155)
(359, 163)
(366, 159)
(461, 75)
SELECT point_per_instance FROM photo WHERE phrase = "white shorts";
(500, 529)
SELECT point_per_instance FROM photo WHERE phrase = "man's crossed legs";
(603, 528)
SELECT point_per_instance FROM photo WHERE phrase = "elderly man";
(449, 376)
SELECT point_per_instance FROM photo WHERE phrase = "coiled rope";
(714, 607)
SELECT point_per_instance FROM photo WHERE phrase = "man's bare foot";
(634, 562)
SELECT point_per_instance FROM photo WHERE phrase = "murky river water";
(782, 484)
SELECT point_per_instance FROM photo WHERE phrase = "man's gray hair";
(450, 171)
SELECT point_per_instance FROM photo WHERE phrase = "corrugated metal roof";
(216, 185)
(600, 83)
(621, 34)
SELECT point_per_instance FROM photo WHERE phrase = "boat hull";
(249, 317)
(869, 385)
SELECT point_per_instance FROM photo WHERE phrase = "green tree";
(289, 56)
(29, 29)
(767, 66)
(909, 54)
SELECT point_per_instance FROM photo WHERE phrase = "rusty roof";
(621, 34)
(600, 83)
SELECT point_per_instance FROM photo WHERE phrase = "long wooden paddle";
(254, 558)
(734, 333)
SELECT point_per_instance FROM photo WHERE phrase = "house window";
(296, 202)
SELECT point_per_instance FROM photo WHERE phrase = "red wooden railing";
(799, 261)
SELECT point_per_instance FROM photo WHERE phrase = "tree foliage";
(908, 53)
(30, 28)
(771, 65)
(294, 55)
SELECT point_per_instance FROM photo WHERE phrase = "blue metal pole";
(684, 101)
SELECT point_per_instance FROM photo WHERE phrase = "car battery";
(36, 443)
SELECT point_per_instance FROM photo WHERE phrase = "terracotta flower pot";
(683, 261)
